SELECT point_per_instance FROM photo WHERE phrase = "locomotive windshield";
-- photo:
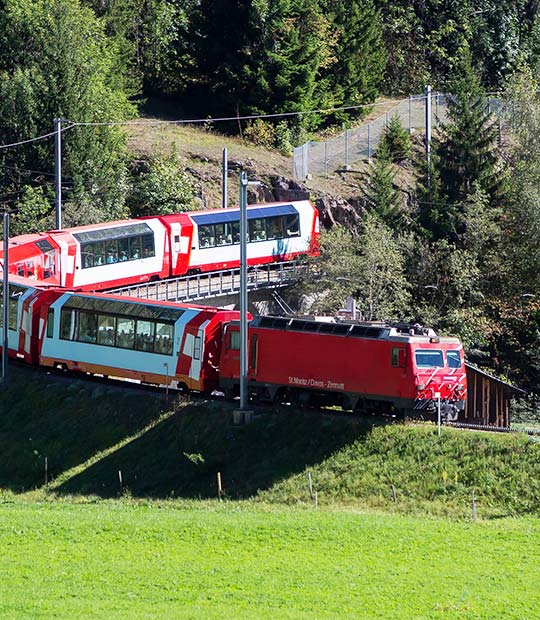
(429, 358)
(454, 359)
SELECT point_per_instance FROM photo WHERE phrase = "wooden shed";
(488, 399)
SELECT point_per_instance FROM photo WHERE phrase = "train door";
(191, 355)
(253, 357)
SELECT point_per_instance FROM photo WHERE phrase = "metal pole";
(410, 106)
(346, 149)
(225, 197)
(243, 289)
(428, 132)
(5, 299)
(439, 414)
(369, 141)
(58, 170)
(326, 156)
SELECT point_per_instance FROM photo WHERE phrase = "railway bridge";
(222, 288)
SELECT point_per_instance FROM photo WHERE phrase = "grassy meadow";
(235, 560)
(78, 542)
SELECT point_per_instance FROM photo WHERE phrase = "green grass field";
(234, 560)
(81, 546)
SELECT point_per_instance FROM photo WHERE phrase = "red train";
(114, 254)
(397, 368)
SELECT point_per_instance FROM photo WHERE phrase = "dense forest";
(455, 246)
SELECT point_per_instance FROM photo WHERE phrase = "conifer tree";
(359, 55)
(380, 195)
(467, 144)
(397, 140)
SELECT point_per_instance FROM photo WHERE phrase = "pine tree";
(467, 144)
(380, 195)
(397, 140)
(359, 57)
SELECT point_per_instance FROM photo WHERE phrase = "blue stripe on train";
(220, 217)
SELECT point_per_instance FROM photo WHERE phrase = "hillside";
(200, 152)
(89, 432)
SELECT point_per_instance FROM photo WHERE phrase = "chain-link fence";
(360, 143)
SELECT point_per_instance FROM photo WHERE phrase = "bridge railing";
(215, 283)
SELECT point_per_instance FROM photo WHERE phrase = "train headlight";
(459, 388)
(420, 387)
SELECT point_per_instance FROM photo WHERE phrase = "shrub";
(397, 140)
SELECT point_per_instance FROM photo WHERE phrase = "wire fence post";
(428, 134)
(410, 112)
(347, 149)
(326, 158)
(369, 141)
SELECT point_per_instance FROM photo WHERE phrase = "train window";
(148, 246)
(87, 327)
(221, 235)
(292, 225)
(235, 227)
(87, 255)
(99, 254)
(253, 352)
(112, 252)
(197, 348)
(206, 236)
(144, 339)
(13, 307)
(398, 357)
(123, 250)
(429, 358)
(105, 330)
(164, 338)
(125, 333)
(257, 230)
(228, 232)
(274, 228)
(234, 341)
(67, 324)
(454, 359)
(135, 248)
(50, 324)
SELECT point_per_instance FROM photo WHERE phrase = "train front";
(439, 375)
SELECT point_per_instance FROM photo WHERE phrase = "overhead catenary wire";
(36, 139)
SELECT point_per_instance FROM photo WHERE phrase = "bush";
(260, 133)
(397, 140)
(161, 186)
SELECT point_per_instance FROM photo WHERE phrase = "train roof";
(403, 332)
(100, 301)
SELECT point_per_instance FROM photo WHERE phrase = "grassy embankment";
(91, 432)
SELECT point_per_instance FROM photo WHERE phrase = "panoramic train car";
(152, 342)
(401, 369)
(210, 240)
(113, 254)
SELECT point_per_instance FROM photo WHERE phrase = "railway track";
(170, 393)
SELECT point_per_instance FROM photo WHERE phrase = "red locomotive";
(397, 368)
(105, 256)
